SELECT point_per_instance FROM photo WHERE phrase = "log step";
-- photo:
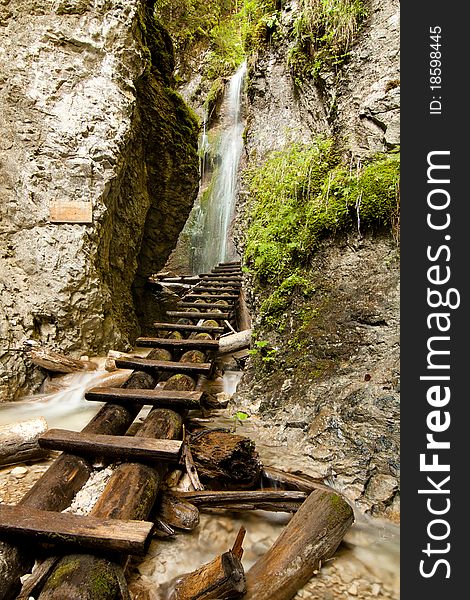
(216, 288)
(192, 295)
(144, 364)
(156, 397)
(221, 278)
(183, 327)
(181, 314)
(230, 262)
(89, 532)
(205, 306)
(118, 447)
(153, 342)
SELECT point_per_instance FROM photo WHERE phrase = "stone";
(19, 472)
(88, 115)
(352, 589)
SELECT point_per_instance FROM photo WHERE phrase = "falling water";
(209, 235)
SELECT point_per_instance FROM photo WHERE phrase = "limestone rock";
(87, 114)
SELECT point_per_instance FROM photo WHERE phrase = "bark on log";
(58, 363)
(234, 342)
(218, 497)
(221, 579)
(310, 538)
(294, 481)
(243, 314)
(177, 512)
(225, 458)
(19, 441)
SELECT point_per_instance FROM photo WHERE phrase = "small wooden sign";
(70, 212)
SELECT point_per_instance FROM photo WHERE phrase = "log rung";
(119, 447)
(145, 364)
(155, 397)
(193, 328)
(206, 306)
(181, 314)
(152, 342)
(216, 288)
(215, 277)
(192, 295)
(84, 531)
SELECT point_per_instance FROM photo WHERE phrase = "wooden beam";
(119, 447)
(181, 314)
(183, 327)
(204, 305)
(156, 397)
(214, 498)
(19, 441)
(152, 342)
(208, 287)
(191, 295)
(144, 364)
(82, 531)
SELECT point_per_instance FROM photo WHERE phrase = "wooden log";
(192, 296)
(184, 327)
(225, 458)
(59, 363)
(202, 305)
(117, 447)
(35, 582)
(19, 441)
(223, 497)
(235, 341)
(217, 288)
(110, 364)
(177, 512)
(198, 315)
(311, 537)
(223, 278)
(223, 578)
(164, 398)
(77, 530)
(293, 481)
(145, 364)
(243, 313)
(64, 478)
(172, 344)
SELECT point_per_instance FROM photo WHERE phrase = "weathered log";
(243, 313)
(216, 288)
(110, 364)
(35, 582)
(223, 497)
(225, 458)
(235, 341)
(77, 530)
(192, 296)
(200, 304)
(198, 315)
(64, 478)
(294, 481)
(223, 578)
(117, 447)
(311, 537)
(163, 398)
(198, 344)
(177, 512)
(59, 363)
(146, 364)
(19, 441)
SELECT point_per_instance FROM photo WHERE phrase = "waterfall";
(211, 222)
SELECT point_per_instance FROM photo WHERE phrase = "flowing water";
(210, 223)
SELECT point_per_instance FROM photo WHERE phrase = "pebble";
(353, 590)
(375, 589)
(19, 472)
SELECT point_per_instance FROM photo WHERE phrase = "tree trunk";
(19, 441)
(234, 342)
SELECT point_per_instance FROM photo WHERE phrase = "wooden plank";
(145, 364)
(70, 212)
(213, 498)
(119, 447)
(157, 397)
(183, 327)
(192, 295)
(205, 306)
(84, 531)
(152, 342)
(213, 287)
(181, 314)
(215, 278)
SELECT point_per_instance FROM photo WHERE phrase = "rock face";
(87, 114)
(331, 393)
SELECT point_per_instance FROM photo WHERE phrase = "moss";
(60, 574)
(300, 195)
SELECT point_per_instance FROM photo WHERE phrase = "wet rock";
(19, 472)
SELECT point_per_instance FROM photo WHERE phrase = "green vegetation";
(324, 33)
(301, 194)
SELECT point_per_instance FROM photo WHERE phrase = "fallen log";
(273, 477)
(177, 512)
(223, 497)
(225, 458)
(59, 363)
(311, 537)
(19, 441)
(235, 341)
(243, 314)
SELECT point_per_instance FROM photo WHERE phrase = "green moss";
(300, 195)
(272, 308)
(60, 574)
